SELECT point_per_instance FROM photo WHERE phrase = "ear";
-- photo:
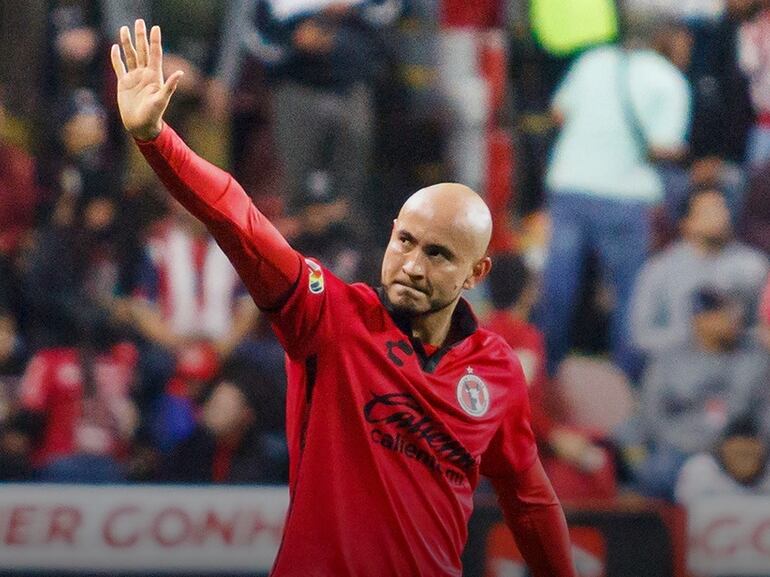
(480, 271)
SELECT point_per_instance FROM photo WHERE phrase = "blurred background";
(623, 148)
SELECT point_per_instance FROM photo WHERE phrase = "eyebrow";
(440, 248)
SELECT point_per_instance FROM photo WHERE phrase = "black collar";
(463, 325)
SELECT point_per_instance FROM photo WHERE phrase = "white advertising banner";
(140, 528)
(729, 536)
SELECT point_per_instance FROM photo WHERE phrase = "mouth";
(403, 286)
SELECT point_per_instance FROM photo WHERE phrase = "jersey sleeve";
(536, 520)
(529, 504)
(306, 320)
(264, 260)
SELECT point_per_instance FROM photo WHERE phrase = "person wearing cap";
(691, 392)
(229, 444)
(737, 464)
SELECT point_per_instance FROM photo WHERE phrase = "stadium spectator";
(189, 311)
(618, 108)
(188, 292)
(722, 108)
(578, 467)
(19, 192)
(692, 391)
(85, 155)
(325, 230)
(71, 280)
(323, 61)
(737, 465)
(76, 412)
(12, 341)
(754, 58)
(82, 166)
(707, 255)
(230, 443)
(755, 216)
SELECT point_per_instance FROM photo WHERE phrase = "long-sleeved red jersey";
(386, 442)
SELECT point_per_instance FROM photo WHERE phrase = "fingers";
(171, 83)
(156, 49)
(128, 47)
(117, 62)
(142, 47)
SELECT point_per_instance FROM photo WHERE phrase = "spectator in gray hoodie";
(693, 391)
(707, 255)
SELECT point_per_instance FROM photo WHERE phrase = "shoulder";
(701, 464)
(655, 75)
(497, 353)
(653, 63)
(598, 57)
(318, 282)
(700, 475)
(660, 264)
(750, 255)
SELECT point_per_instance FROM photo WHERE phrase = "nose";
(413, 266)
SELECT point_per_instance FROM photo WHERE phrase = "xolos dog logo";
(473, 394)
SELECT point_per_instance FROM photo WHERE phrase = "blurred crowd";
(623, 147)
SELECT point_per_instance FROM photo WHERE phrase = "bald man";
(397, 402)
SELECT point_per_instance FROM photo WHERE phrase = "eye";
(435, 253)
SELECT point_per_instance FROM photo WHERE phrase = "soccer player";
(397, 401)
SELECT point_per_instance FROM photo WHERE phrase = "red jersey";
(391, 441)
(386, 442)
(53, 385)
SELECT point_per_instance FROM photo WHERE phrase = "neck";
(433, 328)
(704, 246)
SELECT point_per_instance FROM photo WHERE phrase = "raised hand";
(142, 94)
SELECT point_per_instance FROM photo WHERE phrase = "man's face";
(743, 457)
(719, 329)
(428, 262)
(226, 411)
(708, 219)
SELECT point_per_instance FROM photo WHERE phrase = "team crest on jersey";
(316, 278)
(473, 394)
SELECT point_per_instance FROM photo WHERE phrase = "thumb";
(171, 83)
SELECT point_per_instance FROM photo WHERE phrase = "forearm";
(535, 517)
(264, 260)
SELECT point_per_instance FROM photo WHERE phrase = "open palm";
(142, 94)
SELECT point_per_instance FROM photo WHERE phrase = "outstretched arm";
(264, 260)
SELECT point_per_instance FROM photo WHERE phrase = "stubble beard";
(413, 310)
